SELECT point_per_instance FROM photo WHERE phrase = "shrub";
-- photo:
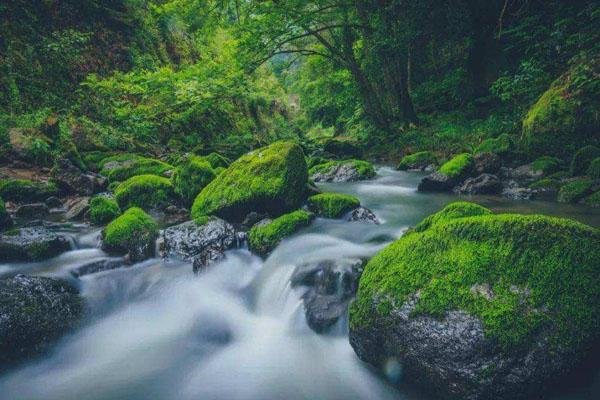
(191, 177)
(332, 205)
(264, 238)
(594, 169)
(582, 160)
(217, 161)
(103, 210)
(144, 191)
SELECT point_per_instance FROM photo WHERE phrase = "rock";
(34, 313)
(253, 218)
(199, 244)
(483, 184)
(332, 205)
(436, 182)
(363, 214)
(342, 149)
(5, 219)
(31, 211)
(32, 244)
(93, 267)
(513, 191)
(133, 233)
(461, 304)
(342, 171)
(145, 191)
(449, 175)
(71, 179)
(489, 163)
(264, 237)
(417, 161)
(523, 174)
(53, 202)
(191, 176)
(273, 179)
(77, 208)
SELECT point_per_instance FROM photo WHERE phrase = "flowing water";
(237, 331)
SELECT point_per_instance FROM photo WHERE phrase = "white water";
(237, 331)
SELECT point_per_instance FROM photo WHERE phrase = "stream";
(238, 330)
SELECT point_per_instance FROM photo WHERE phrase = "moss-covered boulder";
(134, 166)
(482, 306)
(342, 171)
(582, 159)
(269, 180)
(263, 238)
(144, 191)
(499, 145)
(459, 209)
(575, 190)
(23, 190)
(418, 161)
(565, 116)
(332, 205)
(547, 165)
(216, 160)
(133, 233)
(192, 175)
(449, 175)
(103, 210)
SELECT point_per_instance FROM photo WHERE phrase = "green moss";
(193, 174)
(92, 159)
(594, 169)
(271, 179)
(103, 210)
(134, 226)
(545, 183)
(119, 158)
(499, 145)
(365, 169)
(541, 270)
(219, 170)
(458, 166)
(593, 200)
(332, 205)
(459, 209)
(574, 191)
(312, 161)
(547, 164)
(137, 166)
(23, 190)
(417, 160)
(582, 159)
(144, 191)
(264, 238)
(217, 161)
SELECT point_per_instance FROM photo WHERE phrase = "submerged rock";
(34, 313)
(32, 244)
(93, 267)
(461, 302)
(362, 214)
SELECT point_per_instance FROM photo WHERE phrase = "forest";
(265, 199)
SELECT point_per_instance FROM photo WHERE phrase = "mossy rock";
(312, 161)
(115, 160)
(268, 180)
(495, 288)
(582, 159)
(136, 166)
(547, 164)
(92, 159)
(546, 184)
(144, 191)
(192, 175)
(572, 192)
(264, 238)
(23, 190)
(459, 209)
(134, 232)
(332, 205)
(499, 145)
(216, 160)
(418, 160)
(342, 171)
(594, 169)
(103, 210)
(459, 166)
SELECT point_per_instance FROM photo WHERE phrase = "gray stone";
(77, 208)
(32, 244)
(483, 184)
(436, 182)
(34, 210)
(362, 214)
(71, 179)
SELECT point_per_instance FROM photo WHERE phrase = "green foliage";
(264, 238)
(23, 190)
(134, 226)
(216, 160)
(594, 169)
(332, 205)
(103, 210)
(417, 160)
(136, 166)
(546, 183)
(541, 272)
(575, 190)
(524, 86)
(499, 145)
(459, 209)
(582, 160)
(593, 200)
(365, 169)
(547, 164)
(458, 166)
(191, 177)
(271, 179)
(144, 191)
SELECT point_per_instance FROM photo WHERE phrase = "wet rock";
(77, 208)
(436, 182)
(362, 214)
(34, 210)
(32, 244)
(71, 179)
(98, 266)
(523, 174)
(199, 244)
(34, 313)
(53, 202)
(513, 191)
(489, 163)
(174, 215)
(253, 218)
(342, 171)
(483, 184)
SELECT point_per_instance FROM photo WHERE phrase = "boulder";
(342, 148)
(31, 211)
(417, 161)
(483, 184)
(363, 214)
(265, 236)
(332, 205)
(34, 313)
(268, 180)
(71, 179)
(32, 244)
(476, 305)
(53, 202)
(342, 171)
(449, 175)
(5, 219)
(145, 191)
(488, 163)
(192, 175)
(513, 191)
(436, 182)
(77, 208)
(133, 233)
(198, 242)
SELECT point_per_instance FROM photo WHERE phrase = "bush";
(144, 191)
(191, 177)
(594, 169)
(458, 166)
(264, 238)
(582, 160)
(23, 190)
(332, 205)
(129, 230)
(574, 191)
(418, 160)
(499, 145)
(103, 210)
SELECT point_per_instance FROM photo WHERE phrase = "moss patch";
(136, 166)
(332, 205)
(134, 226)
(103, 210)
(547, 164)
(144, 191)
(417, 160)
(542, 272)
(499, 145)
(23, 190)
(192, 175)
(458, 166)
(582, 159)
(545, 183)
(264, 238)
(271, 179)
(217, 161)
(574, 191)
(459, 209)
